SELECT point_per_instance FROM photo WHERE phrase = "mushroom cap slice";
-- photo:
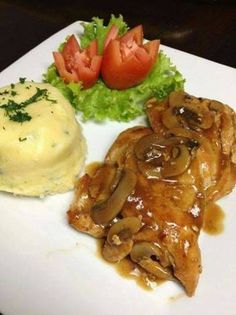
(106, 211)
(115, 253)
(180, 162)
(144, 253)
(187, 111)
(164, 157)
(123, 229)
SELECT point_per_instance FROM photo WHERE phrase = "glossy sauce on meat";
(213, 219)
(155, 190)
(92, 167)
(131, 271)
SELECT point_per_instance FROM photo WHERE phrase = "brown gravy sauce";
(213, 225)
(129, 270)
(213, 219)
(125, 268)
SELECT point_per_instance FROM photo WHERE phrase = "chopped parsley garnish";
(50, 100)
(22, 139)
(13, 93)
(12, 85)
(16, 111)
(4, 92)
(22, 80)
(36, 97)
(20, 116)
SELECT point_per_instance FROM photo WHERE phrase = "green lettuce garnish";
(97, 30)
(100, 102)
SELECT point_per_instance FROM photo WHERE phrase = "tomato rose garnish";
(111, 35)
(76, 65)
(126, 60)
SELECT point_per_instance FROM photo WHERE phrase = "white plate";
(47, 268)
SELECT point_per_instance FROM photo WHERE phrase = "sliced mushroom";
(169, 119)
(165, 157)
(187, 111)
(180, 162)
(216, 106)
(119, 239)
(147, 256)
(150, 170)
(195, 116)
(186, 133)
(196, 140)
(123, 230)
(151, 146)
(115, 253)
(177, 98)
(180, 116)
(106, 211)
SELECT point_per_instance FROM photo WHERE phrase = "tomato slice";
(111, 35)
(76, 65)
(152, 48)
(127, 61)
(62, 70)
(135, 34)
(70, 48)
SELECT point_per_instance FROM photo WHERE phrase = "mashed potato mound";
(42, 148)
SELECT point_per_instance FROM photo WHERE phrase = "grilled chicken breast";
(147, 199)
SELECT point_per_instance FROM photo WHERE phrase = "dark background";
(204, 28)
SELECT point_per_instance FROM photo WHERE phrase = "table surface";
(203, 28)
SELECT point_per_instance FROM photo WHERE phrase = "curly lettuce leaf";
(70, 91)
(97, 30)
(100, 103)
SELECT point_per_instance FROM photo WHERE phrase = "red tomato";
(61, 68)
(135, 34)
(76, 65)
(71, 47)
(127, 61)
(111, 35)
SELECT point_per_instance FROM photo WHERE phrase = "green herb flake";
(20, 117)
(49, 99)
(22, 139)
(12, 85)
(22, 80)
(40, 93)
(5, 92)
(13, 93)
(16, 112)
